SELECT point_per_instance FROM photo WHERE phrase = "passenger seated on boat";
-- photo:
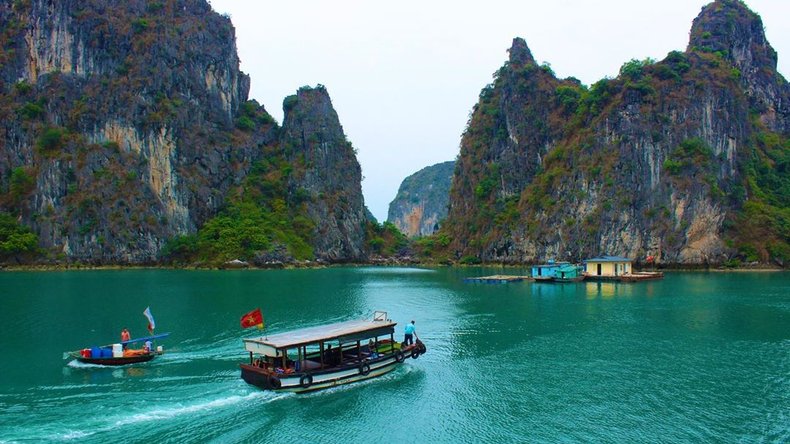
(328, 355)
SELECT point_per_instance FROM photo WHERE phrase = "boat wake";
(171, 412)
(78, 364)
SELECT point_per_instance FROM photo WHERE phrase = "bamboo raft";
(498, 279)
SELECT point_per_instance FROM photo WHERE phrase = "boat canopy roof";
(349, 331)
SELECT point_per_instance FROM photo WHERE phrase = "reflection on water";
(609, 290)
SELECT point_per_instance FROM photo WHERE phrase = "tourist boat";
(325, 356)
(115, 354)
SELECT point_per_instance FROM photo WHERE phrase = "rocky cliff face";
(126, 123)
(659, 161)
(331, 179)
(421, 203)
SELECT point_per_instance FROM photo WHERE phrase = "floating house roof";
(609, 259)
(551, 264)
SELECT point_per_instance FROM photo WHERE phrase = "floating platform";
(629, 277)
(498, 279)
(642, 276)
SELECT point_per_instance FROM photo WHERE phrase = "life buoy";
(364, 368)
(415, 353)
(306, 380)
(274, 382)
(399, 356)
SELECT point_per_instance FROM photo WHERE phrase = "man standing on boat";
(408, 337)
(125, 336)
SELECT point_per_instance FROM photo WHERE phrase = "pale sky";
(404, 75)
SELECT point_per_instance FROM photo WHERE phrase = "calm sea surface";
(696, 357)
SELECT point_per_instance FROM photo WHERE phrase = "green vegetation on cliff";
(384, 239)
(256, 222)
(684, 159)
(17, 242)
(125, 128)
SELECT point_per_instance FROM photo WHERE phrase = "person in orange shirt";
(125, 336)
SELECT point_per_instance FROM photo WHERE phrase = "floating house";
(548, 271)
(607, 267)
(569, 273)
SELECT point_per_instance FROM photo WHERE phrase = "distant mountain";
(686, 159)
(421, 203)
(128, 137)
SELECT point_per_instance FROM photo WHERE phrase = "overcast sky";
(403, 75)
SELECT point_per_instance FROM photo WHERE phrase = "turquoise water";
(695, 357)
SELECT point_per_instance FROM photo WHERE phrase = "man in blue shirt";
(409, 332)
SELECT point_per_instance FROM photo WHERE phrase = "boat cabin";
(607, 266)
(321, 347)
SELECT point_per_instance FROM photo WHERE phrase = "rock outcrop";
(673, 159)
(421, 203)
(332, 177)
(130, 122)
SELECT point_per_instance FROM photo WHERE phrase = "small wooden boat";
(115, 354)
(325, 356)
(133, 359)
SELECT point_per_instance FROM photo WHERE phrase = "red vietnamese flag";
(252, 319)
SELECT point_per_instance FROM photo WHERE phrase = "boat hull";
(311, 381)
(116, 361)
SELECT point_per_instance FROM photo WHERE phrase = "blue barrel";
(95, 352)
(106, 353)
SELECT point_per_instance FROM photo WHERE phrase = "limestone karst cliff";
(126, 124)
(331, 178)
(421, 203)
(684, 159)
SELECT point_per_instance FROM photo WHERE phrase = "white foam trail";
(78, 364)
(168, 413)
(73, 386)
(76, 434)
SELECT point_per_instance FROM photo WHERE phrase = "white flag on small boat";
(151, 323)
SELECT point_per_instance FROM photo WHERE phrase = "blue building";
(548, 271)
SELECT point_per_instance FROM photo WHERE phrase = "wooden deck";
(629, 277)
(498, 279)
(642, 276)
